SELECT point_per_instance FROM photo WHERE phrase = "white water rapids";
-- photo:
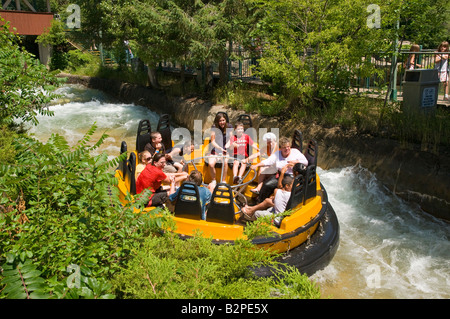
(80, 108)
(388, 248)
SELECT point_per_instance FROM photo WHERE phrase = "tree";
(25, 84)
(184, 31)
(193, 32)
(425, 22)
(314, 47)
(148, 25)
(220, 25)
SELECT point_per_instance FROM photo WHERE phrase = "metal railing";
(379, 82)
(424, 59)
(240, 65)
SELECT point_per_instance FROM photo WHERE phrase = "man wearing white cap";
(266, 150)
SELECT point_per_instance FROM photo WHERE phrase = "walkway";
(369, 93)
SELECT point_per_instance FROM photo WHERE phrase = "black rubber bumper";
(315, 254)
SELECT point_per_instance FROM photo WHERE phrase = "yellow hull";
(309, 235)
(284, 238)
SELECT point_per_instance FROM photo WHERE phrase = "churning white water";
(80, 108)
(388, 248)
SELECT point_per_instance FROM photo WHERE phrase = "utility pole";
(393, 82)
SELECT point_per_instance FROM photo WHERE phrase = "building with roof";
(29, 19)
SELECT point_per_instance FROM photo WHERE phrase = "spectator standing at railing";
(441, 61)
(411, 63)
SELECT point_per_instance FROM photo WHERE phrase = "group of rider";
(156, 166)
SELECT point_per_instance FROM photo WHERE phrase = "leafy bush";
(59, 61)
(23, 280)
(83, 62)
(169, 267)
(25, 84)
(7, 154)
(78, 58)
(262, 226)
(59, 206)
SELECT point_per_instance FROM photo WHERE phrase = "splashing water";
(388, 248)
(80, 108)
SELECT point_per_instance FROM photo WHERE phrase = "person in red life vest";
(240, 143)
(153, 176)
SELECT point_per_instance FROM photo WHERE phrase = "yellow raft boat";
(308, 237)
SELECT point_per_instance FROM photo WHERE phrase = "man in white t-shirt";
(270, 205)
(278, 160)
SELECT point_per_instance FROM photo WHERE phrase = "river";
(79, 108)
(389, 248)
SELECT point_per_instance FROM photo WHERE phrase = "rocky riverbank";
(417, 176)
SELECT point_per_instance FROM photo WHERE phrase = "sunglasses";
(148, 159)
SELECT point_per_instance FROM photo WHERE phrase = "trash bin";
(420, 90)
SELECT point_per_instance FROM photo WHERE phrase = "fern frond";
(87, 137)
(58, 142)
(23, 281)
(100, 141)
(115, 161)
(101, 160)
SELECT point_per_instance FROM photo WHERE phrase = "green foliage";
(54, 36)
(7, 154)
(262, 225)
(60, 205)
(25, 84)
(240, 96)
(425, 22)
(313, 47)
(168, 267)
(193, 30)
(289, 283)
(22, 280)
(59, 60)
(78, 60)
(190, 32)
